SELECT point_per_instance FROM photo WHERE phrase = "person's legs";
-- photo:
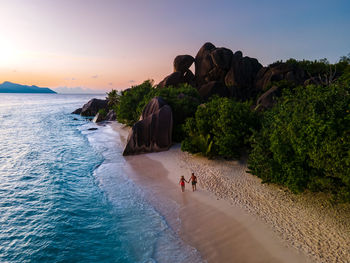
(193, 186)
(182, 188)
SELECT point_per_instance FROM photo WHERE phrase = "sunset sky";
(105, 44)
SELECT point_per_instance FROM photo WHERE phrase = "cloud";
(110, 83)
(94, 76)
(78, 90)
(132, 81)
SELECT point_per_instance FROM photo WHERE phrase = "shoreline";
(219, 231)
(269, 220)
(307, 222)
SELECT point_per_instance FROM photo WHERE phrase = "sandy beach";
(232, 217)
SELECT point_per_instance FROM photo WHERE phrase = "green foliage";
(282, 85)
(196, 143)
(322, 72)
(313, 68)
(183, 100)
(345, 59)
(345, 77)
(321, 68)
(127, 108)
(113, 99)
(304, 142)
(102, 112)
(221, 127)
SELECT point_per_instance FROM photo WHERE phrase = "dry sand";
(234, 218)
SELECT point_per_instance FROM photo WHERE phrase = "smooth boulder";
(268, 99)
(182, 63)
(222, 57)
(189, 78)
(93, 106)
(203, 63)
(213, 88)
(111, 116)
(98, 118)
(173, 79)
(153, 106)
(153, 133)
(77, 111)
(241, 77)
(212, 64)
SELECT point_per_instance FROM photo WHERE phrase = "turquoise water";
(64, 195)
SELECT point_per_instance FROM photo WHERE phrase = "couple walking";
(193, 179)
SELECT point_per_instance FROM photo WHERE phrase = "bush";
(304, 142)
(102, 113)
(221, 127)
(183, 100)
(321, 69)
(127, 108)
(345, 77)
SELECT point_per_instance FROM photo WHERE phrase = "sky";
(85, 45)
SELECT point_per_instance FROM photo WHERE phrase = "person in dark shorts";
(182, 183)
(193, 179)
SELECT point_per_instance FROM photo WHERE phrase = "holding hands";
(192, 179)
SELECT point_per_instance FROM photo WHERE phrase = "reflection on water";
(64, 194)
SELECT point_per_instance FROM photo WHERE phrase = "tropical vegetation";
(302, 142)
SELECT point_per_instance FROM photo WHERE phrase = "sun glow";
(9, 54)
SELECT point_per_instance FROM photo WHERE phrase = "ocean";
(64, 192)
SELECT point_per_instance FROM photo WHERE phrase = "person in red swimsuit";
(182, 183)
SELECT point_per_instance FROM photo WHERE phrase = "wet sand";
(219, 230)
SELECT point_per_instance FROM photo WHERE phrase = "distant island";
(9, 87)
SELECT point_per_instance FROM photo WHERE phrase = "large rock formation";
(233, 71)
(92, 107)
(221, 72)
(154, 130)
(218, 71)
(278, 72)
(241, 77)
(222, 58)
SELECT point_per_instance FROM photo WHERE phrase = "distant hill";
(9, 87)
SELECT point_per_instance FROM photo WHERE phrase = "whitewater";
(65, 195)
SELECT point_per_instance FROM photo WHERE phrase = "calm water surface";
(63, 194)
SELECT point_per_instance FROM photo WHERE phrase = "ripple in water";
(63, 194)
